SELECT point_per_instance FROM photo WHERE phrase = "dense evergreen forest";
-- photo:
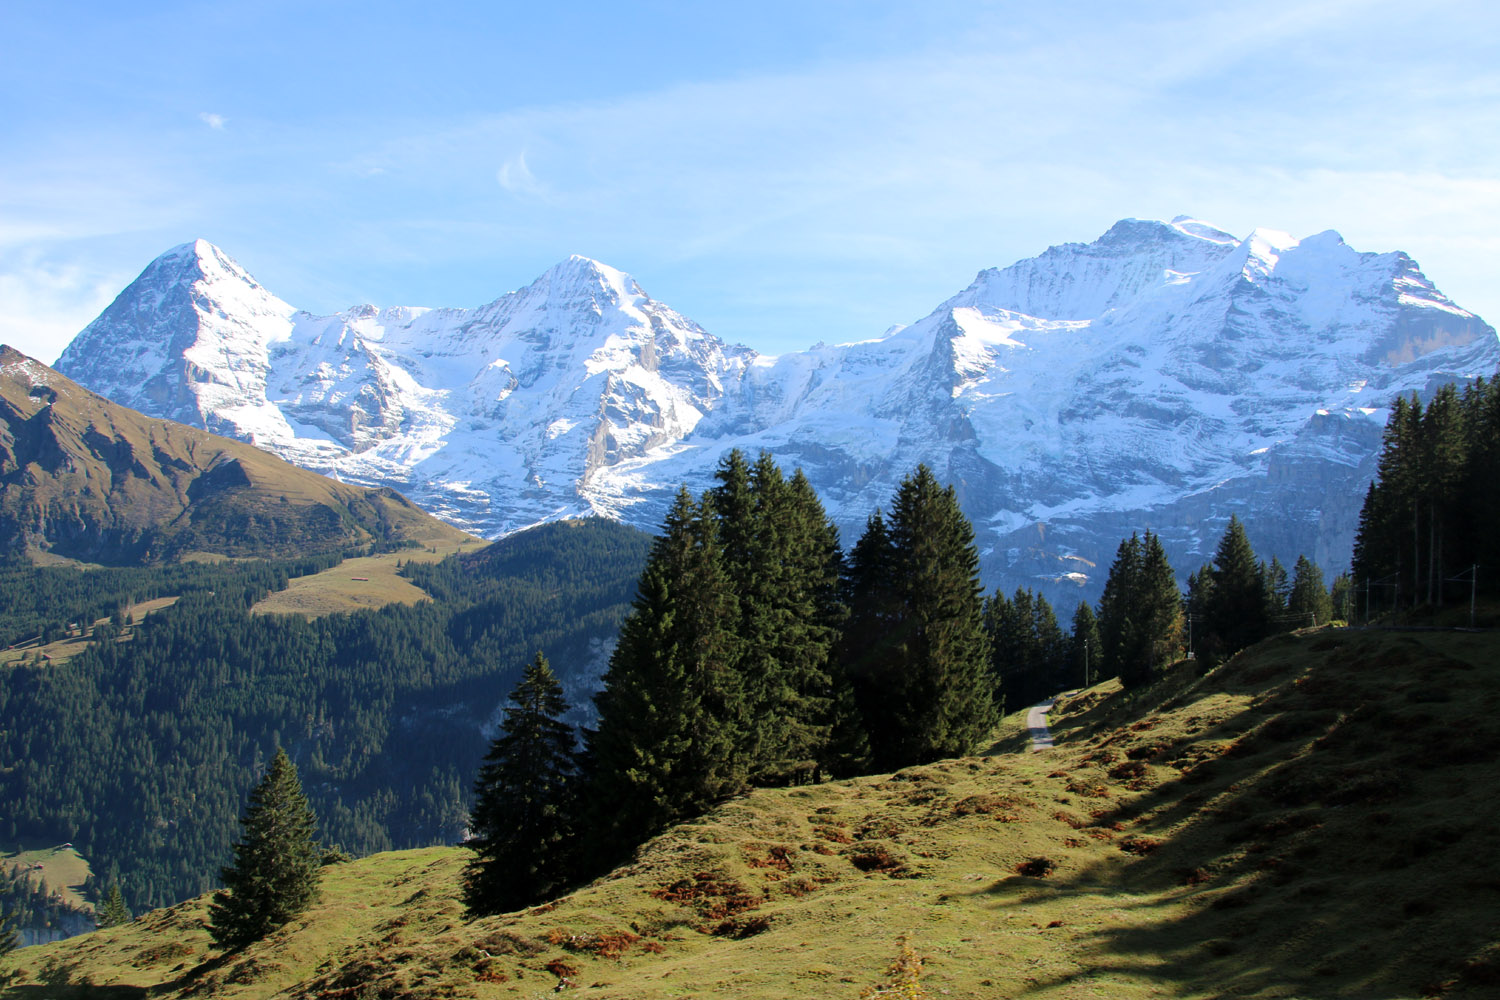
(141, 753)
(1429, 518)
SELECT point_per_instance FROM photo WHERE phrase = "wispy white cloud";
(516, 177)
(43, 304)
(212, 120)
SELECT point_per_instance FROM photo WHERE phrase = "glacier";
(1161, 377)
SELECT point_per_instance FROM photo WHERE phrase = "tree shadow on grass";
(1328, 843)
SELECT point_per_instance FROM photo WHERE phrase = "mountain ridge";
(86, 478)
(1163, 376)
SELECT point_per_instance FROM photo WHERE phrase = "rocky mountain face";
(1162, 377)
(86, 478)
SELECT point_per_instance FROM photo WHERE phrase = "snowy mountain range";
(1161, 377)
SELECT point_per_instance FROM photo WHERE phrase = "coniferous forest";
(1428, 519)
(141, 753)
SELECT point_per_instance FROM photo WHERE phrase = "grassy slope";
(63, 868)
(1310, 820)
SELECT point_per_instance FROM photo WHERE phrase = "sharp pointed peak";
(197, 256)
(578, 271)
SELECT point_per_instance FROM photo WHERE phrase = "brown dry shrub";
(876, 827)
(799, 887)
(1068, 819)
(490, 971)
(834, 834)
(740, 928)
(713, 897)
(1038, 867)
(778, 856)
(158, 953)
(879, 858)
(653, 947)
(1139, 846)
(1146, 751)
(561, 969)
(604, 945)
(1081, 786)
(1195, 876)
(508, 942)
(1128, 770)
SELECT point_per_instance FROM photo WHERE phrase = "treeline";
(140, 753)
(1143, 620)
(1428, 518)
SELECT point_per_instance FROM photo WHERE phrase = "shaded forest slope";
(1309, 819)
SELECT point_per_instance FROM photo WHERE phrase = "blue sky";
(783, 173)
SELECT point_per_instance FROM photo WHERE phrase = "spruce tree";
(1140, 614)
(275, 874)
(10, 936)
(1309, 602)
(1162, 601)
(1341, 598)
(867, 649)
(1084, 645)
(1237, 606)
(114, 911)
(521, 827)
(782, 559)
(1278, 589)
(671, 715)
(934, 700)
(1118, 629)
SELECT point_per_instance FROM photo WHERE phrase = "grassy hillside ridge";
(1311, 820)
(85, 478)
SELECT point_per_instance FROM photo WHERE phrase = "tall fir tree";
(672, 719)
(1140, 614)
(275, 874)
(867, 648)
(1236, 612)
(1309, 602)
(1118, 629)
(1278, 589)
(522, 825)
(933, 697)
(782, 559)
(1084, 644)
(113, 912)
(10, 935)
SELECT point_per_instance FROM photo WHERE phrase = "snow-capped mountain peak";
(1160, 376)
